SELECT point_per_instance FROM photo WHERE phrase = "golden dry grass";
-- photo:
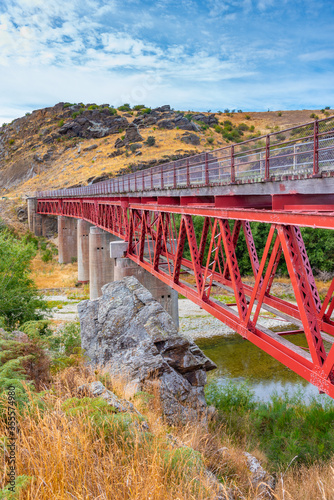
(67, 456)
(52, 274)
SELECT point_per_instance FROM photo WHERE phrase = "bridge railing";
(302, 150)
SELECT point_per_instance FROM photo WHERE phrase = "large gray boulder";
(129, 333)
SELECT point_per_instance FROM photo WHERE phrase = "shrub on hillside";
(150, 141)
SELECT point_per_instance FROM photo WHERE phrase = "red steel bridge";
(284, 180)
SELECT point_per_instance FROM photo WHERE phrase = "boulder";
(90, 148)
(167, 124)
(129, 333)
(132, 134)
(191, 139)
(162, 109)
(119, 143)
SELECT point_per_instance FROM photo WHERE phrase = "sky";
(252, 55)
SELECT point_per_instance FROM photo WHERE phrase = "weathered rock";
(190, 139)
(130, 333)
(119, 143)
(90, 148)
(162, 109)
(167, 124)
(132, 134)
(262, 482)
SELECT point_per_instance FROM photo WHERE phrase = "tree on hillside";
(19, 299)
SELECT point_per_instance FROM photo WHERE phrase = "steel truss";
(159, 237)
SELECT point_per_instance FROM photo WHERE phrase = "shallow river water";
(239, 360)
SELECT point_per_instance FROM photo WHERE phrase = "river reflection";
(239, 360)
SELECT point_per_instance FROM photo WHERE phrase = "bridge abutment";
(67, 240)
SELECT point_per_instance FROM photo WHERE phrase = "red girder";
(152, 230)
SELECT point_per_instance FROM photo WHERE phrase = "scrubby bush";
(124, 107)
(19, 300)
(150, 141)
(138, 107)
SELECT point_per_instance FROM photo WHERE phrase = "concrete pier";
(67, 240)
(163, 293)
(37, 224)
(83, 250)
(101, 266)
(32, 204)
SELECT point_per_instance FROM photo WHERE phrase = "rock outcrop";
(129, 332)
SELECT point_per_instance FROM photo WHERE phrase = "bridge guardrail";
(302, 150)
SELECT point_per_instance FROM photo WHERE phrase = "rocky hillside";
(75, 144)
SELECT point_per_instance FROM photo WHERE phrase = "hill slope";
(74, 144)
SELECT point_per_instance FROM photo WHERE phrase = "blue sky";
(248, 54)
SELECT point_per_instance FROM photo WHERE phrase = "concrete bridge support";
(32, 205)
(67, 240)
(83, 250)
(37, 224)
(163, 293)
(101, 266)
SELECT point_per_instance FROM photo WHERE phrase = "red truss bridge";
(284, 180)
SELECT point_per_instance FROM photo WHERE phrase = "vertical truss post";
(194, 252)
(179, 250)
(316, 148)
(158, 243)
(274, 269)
(232, 262)
(251, 248)
(235, 236)
(207, 169)
(232, 165)
(267, 158)
(303, 293)
(162, 177)
(204, 237)
(174, 175)
(188, 174)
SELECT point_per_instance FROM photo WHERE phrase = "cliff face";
(75, 144)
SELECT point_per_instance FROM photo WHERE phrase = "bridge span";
(199, 206)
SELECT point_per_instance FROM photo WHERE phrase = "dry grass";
(307, 483)
(52, 274)
(68, 456)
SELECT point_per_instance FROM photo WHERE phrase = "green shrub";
(21, 483)
(47, 255)
(210, 140)
(150, 141)
(124, 107)
(60, 123)
(283, 428)
(313, 115)
(247, 117)
(19, 300)
(243, 127)
(145, 111)
(68, 105)
(138, 107)
(121, 427)
(37, 329)
(11, 141)
(92, 107)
